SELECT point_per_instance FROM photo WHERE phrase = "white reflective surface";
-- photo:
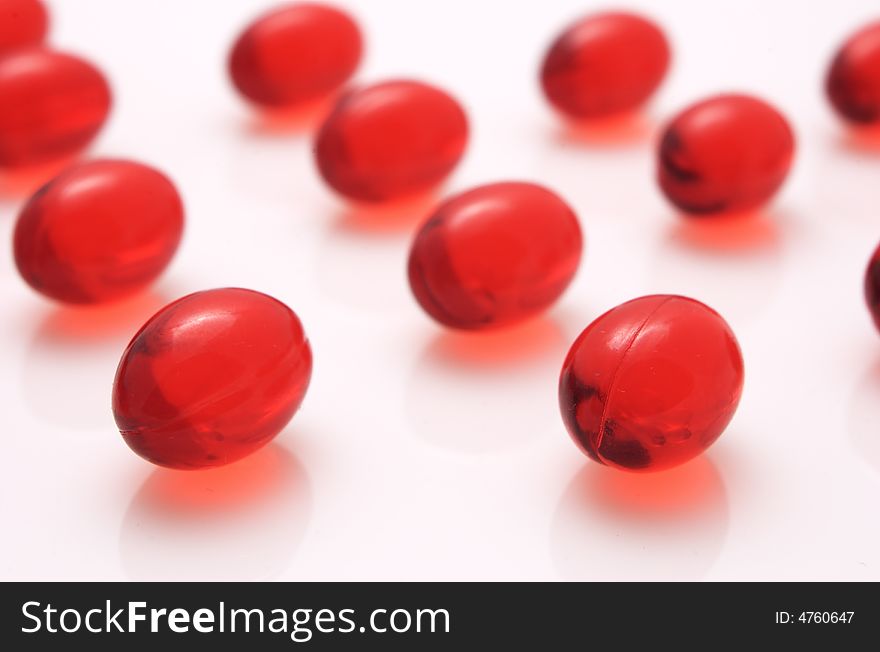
(420, 454)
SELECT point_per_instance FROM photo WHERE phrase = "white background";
(425, 454)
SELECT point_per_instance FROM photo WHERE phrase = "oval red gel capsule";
(211, 378)
(22, 23)
(391, 140)
(853, 82)
(99, 231)
(605, 64)
(51, 106)
(872, 286)
(494, 255)
(295, 54)
(729, 153)
(651, 383)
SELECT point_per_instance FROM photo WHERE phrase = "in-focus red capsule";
(295, 54)
(651, 383)
(729, 153)
(22, 23)
(605, 64)
(494, 255)
(51, 105)
(853, 82)
(391, 140)
(211, 378)
(872, 286)
(99, 231)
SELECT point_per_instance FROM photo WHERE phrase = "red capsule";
(391, 140)
(51, 106)
(872, 286)
(729, 153)
(211, 378)
(494, 255)
(98, 231)
(295, 54)
(22, 23)
(651, 383)
(853, 82)
(605, 64)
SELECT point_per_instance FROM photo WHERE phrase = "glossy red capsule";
(605, 64)
(651, 383)
(391, 140)
(872, 286)
(22, 23)
(211, 378)
(494, 255)
(295, 54)
(99, 231)
(51, 105)
(853, 81)
(729, 153)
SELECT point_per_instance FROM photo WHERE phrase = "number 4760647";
(826, 616)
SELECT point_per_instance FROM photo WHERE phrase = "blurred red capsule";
(22, 23)
(605, 64)
(729, 153)
(51, 105)
(391, 140)
(853, 82)
(295, 54)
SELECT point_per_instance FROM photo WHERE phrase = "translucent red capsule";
(853, 81)
(295, 54)
(872, 286)
(99, 231)
(211, 378)
(605, 64)
(22, 23)
(494, 255)
(51, 105)
(651, 383)
(729, 153)
(391, 140)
